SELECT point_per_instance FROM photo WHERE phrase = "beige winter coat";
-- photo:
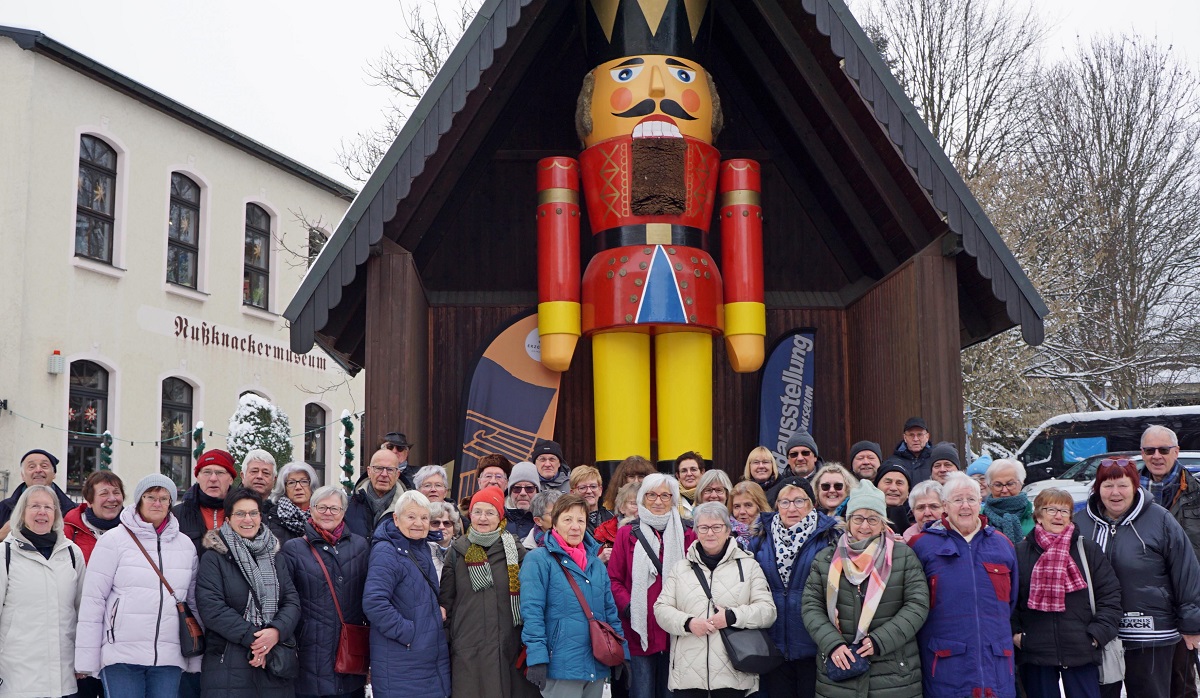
(738, 584)
(39, 605)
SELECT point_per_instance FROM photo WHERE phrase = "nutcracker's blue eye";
(626, 74)
(685, 76)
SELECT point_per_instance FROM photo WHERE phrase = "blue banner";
(786, 396)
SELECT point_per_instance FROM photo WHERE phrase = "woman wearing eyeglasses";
(966, 642)
(328, 547)
(1158, 572)
(645, 551)
(832, 485)
(734, 595)
(785, 548)
(761, 468)
(1057, 633)
(866, 597)
(432, 482)
(246, 606)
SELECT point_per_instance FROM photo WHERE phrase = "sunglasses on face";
(798, 453)
(838, 486)
(1162, 450)
(523, 489)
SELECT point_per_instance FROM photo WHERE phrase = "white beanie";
(152, 481)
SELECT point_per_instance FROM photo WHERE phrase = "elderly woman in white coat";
(740, 598)
(128, 621)
(40, 584)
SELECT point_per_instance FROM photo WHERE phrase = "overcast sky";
(292, 74)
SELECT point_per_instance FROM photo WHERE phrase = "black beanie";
(866, 446)
(53, 460)
(945, 451)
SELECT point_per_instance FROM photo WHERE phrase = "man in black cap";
(37, 468)
(398, 443)
(552, 467)
(865, 460)
(913, 453)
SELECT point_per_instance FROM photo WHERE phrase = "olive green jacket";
(896, 665)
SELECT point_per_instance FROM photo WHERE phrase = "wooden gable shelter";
(871, 237)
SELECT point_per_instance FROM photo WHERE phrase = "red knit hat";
(490, 495)
(216, 457)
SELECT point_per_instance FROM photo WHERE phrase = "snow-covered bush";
(259, 424)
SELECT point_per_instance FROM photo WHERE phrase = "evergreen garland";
(347, 451)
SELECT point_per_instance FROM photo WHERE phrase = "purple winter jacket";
(126, 616)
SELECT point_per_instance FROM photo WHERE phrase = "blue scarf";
(1160, 490)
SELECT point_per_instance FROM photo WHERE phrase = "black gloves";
(536, 675)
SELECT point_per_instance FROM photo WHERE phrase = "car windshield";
(1085, 470)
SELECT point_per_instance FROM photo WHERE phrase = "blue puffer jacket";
(556, 630)
(409, 654)
(966, 642)
(319, 629)
(788, 632)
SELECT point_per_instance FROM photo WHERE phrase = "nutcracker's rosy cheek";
(621, 98)
(691, 100)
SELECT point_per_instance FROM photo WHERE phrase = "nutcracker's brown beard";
(657, 184)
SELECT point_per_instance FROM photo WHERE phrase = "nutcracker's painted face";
(651, 97)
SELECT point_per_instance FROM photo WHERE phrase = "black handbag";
(283, 661)
(858, 667)
(750, 651)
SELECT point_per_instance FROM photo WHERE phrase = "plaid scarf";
(869, 561)
(480, 571)
(1055, 573)
(255, 559)
(1168, 485)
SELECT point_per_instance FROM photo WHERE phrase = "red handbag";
(607, 646)
(354, 642)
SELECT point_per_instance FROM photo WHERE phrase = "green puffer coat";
(896, 665)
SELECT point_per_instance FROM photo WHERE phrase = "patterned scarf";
(480, 571)
(330, 537)
(669, 550)
(290, 516)
(1159, 490)
(1055, 573)
(788, 542)
(256, 560)
(870, 561)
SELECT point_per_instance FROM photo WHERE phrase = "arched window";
(175, 453)
(87, 419)
(95, 196)
(257, 270)
(183, 231)
(314, 436)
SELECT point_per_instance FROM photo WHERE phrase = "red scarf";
(577, 553)
(331, 537)
(1055, 573)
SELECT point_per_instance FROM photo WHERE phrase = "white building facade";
(147, 252)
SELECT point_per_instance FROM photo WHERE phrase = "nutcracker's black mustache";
(646, 107)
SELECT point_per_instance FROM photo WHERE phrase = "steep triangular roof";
(823, 81)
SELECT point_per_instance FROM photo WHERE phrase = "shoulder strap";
(7, 557)
(637, 532)
(72, 552)
(336, 606)
(703, 581)
(741, 574)
(1087, 573)
(153, 566)
(587, 610)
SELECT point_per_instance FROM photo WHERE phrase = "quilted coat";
(127, 616)
(409, 655)
(319, 628)
(966, 642)
(484, 643)
(896, 665)
(738, 583)
(39, 604)
(788, 632)
(556, 631)
(77, 530)
(221, 596)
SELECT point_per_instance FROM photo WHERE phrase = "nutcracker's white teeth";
(656, 129)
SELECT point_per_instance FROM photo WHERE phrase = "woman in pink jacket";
(128, 623)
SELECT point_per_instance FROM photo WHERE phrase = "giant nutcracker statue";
(652, 298)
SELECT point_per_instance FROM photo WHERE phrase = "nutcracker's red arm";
(558, 260)
(742, 264)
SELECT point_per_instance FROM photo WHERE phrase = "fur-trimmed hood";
(213, 541)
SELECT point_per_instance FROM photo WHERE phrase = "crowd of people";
(897, 577)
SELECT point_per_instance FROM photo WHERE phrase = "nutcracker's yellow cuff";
(745, 318)
(559, 317)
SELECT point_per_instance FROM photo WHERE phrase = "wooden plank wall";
(903, 355)
(396, 351)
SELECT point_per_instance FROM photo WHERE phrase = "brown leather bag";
(191, 635)
(607, 646)
(354, 642)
